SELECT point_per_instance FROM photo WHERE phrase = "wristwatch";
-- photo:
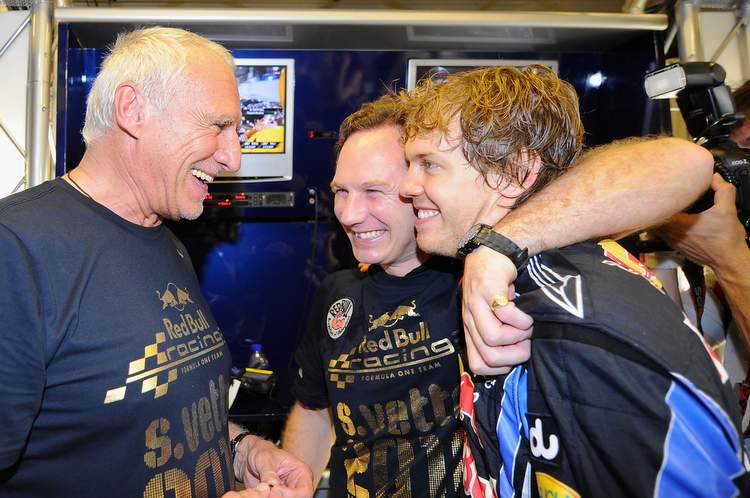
(236, 442)
(481, 234)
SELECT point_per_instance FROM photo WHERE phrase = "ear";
(513, 190)
(533, 165)
(130, 108)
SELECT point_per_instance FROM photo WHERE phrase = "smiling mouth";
(202, 176)
(423, 214)
(372, 234)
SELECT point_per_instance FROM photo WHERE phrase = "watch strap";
(236, 441)
(502, 244)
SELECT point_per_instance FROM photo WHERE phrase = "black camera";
(710, 114)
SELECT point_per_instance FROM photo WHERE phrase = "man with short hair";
(620, 397)
(114, 375)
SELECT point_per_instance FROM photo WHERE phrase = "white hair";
(154, 59)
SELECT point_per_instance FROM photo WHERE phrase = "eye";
(339, 192)
(428, 165)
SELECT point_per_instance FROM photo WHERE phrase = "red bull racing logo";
(338, 317)
(388, 320)
(174, 297)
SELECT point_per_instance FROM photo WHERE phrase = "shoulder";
(592, 281)
(343, 279)
(46, 208)
(42, 196)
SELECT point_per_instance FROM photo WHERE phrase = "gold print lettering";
(398, 418)
(173, 334)
(357, 465)
(401, 337)
(376, 421)
(344, 414)
(438, 398)
(218, 402)
(435, 462)
(382, 480)
(380, 465)
(371, 362)
(391, 359)
(418, 403)
(444, 345)
(156, 439)
(172, 480)
(420, 349)
(457, 445)
(204, 416)
(425, 330)
(405, 461)
(191, 324)
(190, 426)
(208, 460)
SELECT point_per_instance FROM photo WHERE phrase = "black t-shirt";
(382, 353)
(114, 373)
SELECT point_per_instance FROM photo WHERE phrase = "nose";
(411, 184)
(350, 209)
(228, 150)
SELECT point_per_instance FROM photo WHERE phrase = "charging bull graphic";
(389, 319)
(174, 297)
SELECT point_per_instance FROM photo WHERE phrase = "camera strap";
(697, 280)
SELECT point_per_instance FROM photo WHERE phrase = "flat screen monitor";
(421, 68)
(266, 88)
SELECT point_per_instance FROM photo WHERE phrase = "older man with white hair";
(114, 374)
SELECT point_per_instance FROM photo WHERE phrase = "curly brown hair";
(742, 97)
(386, 110)
(504, 113)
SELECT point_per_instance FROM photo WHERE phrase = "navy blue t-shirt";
(114, 373)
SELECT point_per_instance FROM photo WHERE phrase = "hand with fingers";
(267, 470)
(498, 334)
(712, 237)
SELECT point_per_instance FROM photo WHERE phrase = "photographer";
(715, 238)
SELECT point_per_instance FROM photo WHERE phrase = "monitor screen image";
(262, 99)
(266, 88)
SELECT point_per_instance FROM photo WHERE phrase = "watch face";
(470, 234)
(470, 242)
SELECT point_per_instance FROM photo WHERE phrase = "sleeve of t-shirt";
(309, 387)
(621, 426)
(22, 346)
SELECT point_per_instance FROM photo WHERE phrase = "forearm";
(309, 435)
(734, 278)
(619, 188)
(243, 449)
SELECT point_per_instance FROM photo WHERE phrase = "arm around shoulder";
(614, 189)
